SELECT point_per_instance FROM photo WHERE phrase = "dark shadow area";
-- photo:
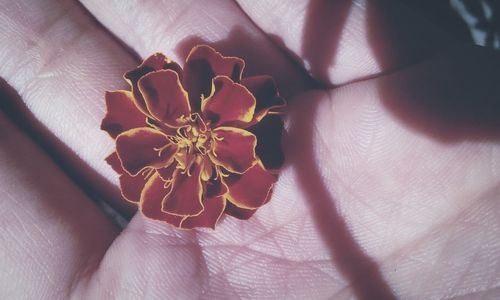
(87, 179)
(440, 13)
(397, 39)
(324, 22)
(452, 97)
(359, 269)
(452, 94)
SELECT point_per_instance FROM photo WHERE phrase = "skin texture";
(392, 181)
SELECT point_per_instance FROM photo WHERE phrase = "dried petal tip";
(190, 144)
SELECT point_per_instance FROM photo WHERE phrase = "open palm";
(391, 186)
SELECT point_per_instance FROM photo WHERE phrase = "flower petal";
(155, 62)
(214, 207)
(167, 174)
(229, 102)
(122, 114)
(202, 65)
(164, 96)
(251, 189)
(185, 199)
(144, 147)
(233, 149)
(130, 186)
(215, 187)
(151, 201)
(115, 163)
(268, 132)
(238, 212)
(266, 94)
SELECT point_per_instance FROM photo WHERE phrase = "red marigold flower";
(193, 143)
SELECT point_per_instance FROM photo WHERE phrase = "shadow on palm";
(451, 91)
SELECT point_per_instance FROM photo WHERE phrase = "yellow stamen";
(218, 138)
(219, 172)
(160, 150)
(148, 172)
(279, 113)
(204, 127)
(148, 121)
(190, 162)
(167, 184)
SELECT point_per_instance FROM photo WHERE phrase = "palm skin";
(385, 193)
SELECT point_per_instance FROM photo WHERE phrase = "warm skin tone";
(390, 184)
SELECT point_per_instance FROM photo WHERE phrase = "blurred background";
(475, 21)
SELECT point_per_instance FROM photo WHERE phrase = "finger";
(51, 235)
(150, 259)
(341, 41)
(60, 63)
(173, 27)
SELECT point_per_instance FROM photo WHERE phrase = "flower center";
(197, 141)
(194, 140)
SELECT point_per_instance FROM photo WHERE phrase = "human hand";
(391, 183)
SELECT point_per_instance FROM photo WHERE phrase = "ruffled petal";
(164, 96)
(130, 186)
(115, 163)
(122, 113)
(152, 196)
(202, 65)
(266, 94)
(214, 207)
(233, 149)
(268, 132)
(229, 103)
(185, 199)
(238, 212)
(251, 189)
(144, 147)
(155, 62)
